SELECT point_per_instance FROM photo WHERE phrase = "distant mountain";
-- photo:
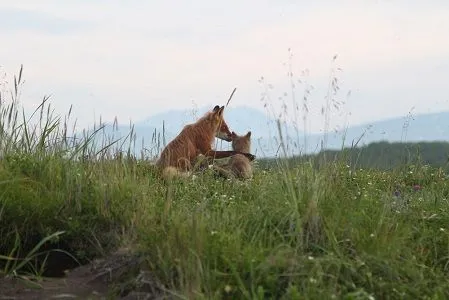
(423, 127)
(154, 132)
(240, 119)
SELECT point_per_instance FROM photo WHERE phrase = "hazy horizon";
(136, 59)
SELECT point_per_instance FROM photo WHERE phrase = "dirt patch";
(119, 276)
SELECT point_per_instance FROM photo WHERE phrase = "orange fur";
(196, 139)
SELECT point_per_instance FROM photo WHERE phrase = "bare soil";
(118, 276)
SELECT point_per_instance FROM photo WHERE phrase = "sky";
(133, 59)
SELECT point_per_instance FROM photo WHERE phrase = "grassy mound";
(292, 232)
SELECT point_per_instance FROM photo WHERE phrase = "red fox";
(239, 166)
(180, 155)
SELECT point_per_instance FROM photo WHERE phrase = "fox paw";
(250, 156)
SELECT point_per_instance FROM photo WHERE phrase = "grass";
(295, 231)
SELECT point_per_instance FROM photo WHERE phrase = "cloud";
(13, 20)
(141, 58)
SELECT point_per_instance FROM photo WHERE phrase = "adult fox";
(238, 166)
(179, 156)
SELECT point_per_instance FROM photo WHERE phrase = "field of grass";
(292, 232)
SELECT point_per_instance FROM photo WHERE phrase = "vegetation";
(298, 231)
(381, 156)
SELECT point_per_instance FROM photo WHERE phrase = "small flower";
(228, 288)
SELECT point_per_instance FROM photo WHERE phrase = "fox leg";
(223, 171)
(201, 163)
(224, 154)
(170, 173)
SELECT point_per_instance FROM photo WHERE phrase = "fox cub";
(238, 166)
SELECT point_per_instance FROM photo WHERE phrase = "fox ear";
(216, 108)
(248, 134)
(220, 110)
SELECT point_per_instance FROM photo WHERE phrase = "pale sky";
(135, 58)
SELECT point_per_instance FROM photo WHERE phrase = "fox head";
(241, 143)
(223, 131)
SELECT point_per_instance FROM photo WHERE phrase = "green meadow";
(302, 228)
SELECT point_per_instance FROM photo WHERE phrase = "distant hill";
(153, 131)
(381, 155)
